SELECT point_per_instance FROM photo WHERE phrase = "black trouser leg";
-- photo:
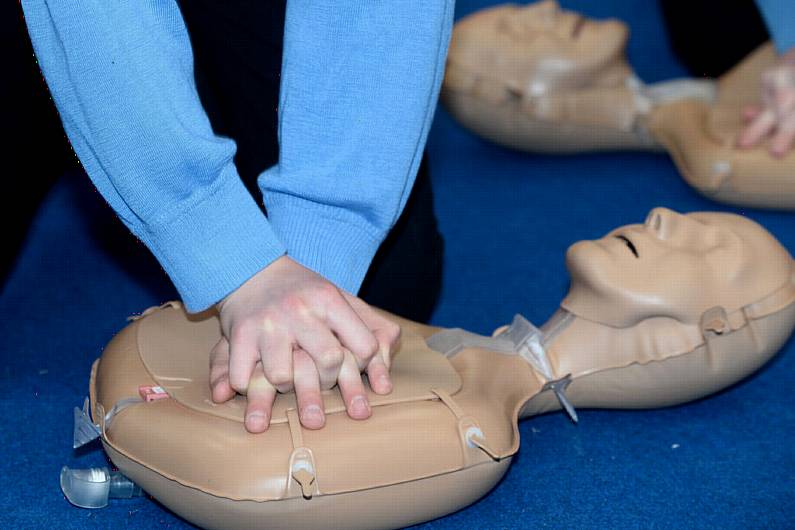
(35, 149)
(406, 275)
(711, 36)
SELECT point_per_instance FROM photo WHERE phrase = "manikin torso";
(541, 79)
(627, 335)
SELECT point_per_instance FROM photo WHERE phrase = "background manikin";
(541, 79)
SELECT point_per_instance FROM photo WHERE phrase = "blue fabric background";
(726, 461)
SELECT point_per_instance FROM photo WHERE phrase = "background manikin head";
(675, 266)
(533, 48)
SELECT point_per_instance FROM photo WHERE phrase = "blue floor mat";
(726, 461)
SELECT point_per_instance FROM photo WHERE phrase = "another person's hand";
(774, 117)
(288, 328)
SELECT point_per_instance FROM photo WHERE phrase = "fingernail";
(385, 383)
(359, 405)
(256, 421)
(312, 414)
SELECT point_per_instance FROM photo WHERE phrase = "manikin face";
(537, 47)
(675, 266)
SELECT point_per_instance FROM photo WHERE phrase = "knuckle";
(392, 332)
(293, 303)
(280, 377)
(330, 359)
(238, 386)
(369, 346)
(327, 294)
(270, 321)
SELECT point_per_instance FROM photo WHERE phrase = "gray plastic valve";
(92, 487)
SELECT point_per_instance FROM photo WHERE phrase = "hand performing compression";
(286, 329)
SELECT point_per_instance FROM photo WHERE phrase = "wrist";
(256, 279)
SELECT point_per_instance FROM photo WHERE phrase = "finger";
(352, 333)
(386, 332)
(499, 330)
(276, 352)
(758, 129)
(307, 390)
(260, 396)
(352, 389)
(220, 388)
(243, 356)
(784, 101)
(378, 375)
(326, 352)
(387, 337)
(784, 138)
(750, 113)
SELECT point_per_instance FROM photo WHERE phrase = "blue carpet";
(723, 462)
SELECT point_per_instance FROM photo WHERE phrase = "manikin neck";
(575, 347)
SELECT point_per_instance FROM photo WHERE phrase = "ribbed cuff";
(216, 244)
(321, 238)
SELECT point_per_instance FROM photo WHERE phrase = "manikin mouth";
(629, 244)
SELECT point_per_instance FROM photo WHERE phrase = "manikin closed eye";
(629, 244)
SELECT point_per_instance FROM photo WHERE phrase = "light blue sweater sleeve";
(360, 81)
(779, 16)
(121, 75)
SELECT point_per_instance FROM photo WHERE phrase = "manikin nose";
(665, 223)
(544, 11)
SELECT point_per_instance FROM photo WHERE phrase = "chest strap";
(302, 478)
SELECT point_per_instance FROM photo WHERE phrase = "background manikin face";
(674, 266)
(536, 47)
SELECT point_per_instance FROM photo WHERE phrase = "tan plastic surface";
(540, 79)
(701, 140)
(498, 84)
(183, 372)
(443, 447)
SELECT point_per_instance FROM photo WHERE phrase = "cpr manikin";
(657, 314)
(542, 79)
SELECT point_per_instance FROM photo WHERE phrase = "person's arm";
(774, 116)
(779, 16)
(121, 76)
(360, 82)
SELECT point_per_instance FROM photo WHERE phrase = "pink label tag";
(152, 393)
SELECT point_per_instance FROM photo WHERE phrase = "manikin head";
(675, 266)
(669, 310)
(531, 49)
